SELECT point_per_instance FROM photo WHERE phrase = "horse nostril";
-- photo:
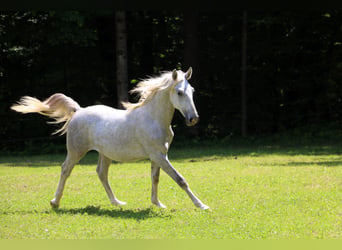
(194, 120)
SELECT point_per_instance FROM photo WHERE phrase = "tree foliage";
(293, 64)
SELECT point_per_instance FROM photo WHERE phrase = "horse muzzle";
(191, 121)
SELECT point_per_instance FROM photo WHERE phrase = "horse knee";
(100, 174)
(155, 180)
(98, 170)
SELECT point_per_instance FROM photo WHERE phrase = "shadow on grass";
(45, 160)
(332, 163)
(137, 214)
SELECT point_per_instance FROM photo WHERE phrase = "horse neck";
(161, 108)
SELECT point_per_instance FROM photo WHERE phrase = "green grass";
(254, 193)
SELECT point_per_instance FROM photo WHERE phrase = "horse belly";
(119, 144)
(124, 153)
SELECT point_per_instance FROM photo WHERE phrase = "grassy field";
(254, 193)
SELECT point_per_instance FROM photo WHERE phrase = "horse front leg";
(155, 172)
(163, 162)
(102, 171)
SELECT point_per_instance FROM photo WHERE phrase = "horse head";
(182, 96)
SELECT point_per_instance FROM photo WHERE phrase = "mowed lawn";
(254, 193)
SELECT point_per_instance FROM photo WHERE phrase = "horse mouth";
(192, 121)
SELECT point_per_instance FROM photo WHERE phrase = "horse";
(141, 130)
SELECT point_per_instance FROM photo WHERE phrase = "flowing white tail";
(58, 106)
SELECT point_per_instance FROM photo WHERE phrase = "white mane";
(147, 88)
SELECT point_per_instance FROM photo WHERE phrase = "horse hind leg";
(102, 171)
(67, 167)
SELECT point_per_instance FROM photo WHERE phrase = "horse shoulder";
(153, 131)
(153, 136)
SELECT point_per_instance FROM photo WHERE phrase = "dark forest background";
(255, 73)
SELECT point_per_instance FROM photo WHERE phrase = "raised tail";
(58, 106)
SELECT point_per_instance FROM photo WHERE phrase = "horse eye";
(180, 93)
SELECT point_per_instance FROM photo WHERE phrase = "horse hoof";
(159, 204)
(54, 204)
(119, 203)
(204, 207)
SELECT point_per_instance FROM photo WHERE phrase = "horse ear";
(174, 74)
(188, 74)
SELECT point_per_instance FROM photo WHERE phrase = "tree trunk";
(191, 55)
(244, 131)
(121, 57)
(191, 42)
